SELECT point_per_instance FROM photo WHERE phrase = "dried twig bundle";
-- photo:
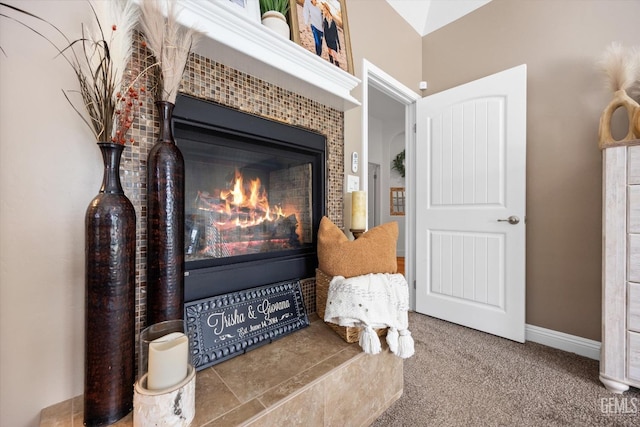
(99, 59)
(621, 66)
(169, 42)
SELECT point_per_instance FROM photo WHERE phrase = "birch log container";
(175, 407)
(164, 394)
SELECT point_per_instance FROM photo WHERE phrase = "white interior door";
(470, 204)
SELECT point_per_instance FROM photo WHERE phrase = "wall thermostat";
(354, 162)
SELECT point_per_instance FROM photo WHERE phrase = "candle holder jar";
(153, 332)
(172, 405)
(358, 210)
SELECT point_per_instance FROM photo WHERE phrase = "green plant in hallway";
(397, 164)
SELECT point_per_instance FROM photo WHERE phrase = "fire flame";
(247, 205)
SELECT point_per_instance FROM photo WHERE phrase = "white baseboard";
(571, 343)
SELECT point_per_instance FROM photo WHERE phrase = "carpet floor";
(462, 377)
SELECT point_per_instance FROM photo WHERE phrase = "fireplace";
(254, 197)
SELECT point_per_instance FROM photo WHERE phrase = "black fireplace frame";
(211, 277)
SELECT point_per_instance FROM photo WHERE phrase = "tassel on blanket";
(392, 339)
(372, 301)
(400, 342)
(369, 341)
(406, 346)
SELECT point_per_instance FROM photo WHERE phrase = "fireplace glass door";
(244, 199)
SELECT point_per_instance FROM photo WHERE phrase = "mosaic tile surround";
(207, 79)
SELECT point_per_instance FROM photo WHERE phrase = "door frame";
(376, 77)
(375, 204)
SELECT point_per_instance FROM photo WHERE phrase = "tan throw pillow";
(373, 252)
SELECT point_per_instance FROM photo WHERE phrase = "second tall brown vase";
(165, 224)
(110, 251)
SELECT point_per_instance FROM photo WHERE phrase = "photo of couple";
(322, 30)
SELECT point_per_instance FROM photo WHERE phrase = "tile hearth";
(310, 378)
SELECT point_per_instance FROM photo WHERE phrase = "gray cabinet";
(620, 353)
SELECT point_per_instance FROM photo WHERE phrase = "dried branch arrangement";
(169, 42)
(99, 59)
(621, 66)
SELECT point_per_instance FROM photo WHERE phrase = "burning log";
(283, 228)
(239, 220)
(267, 236)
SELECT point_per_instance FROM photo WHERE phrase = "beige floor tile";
(213, 397)
(56, 415)
(305, 409)
(307, 377)
(255, 372)
(361, 388)
(238, 416)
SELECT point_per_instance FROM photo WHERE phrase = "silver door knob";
(511, 220)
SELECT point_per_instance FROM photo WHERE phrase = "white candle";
(358, 210)
(168, 361)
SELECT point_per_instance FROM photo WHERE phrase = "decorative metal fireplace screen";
(254, 196)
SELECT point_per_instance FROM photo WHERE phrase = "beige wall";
(560, 41)
(382, 37)
(50, 170)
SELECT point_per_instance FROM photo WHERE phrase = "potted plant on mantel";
(274, 16)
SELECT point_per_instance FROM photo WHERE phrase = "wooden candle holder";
(356, 232)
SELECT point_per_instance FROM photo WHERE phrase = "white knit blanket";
(372, 301)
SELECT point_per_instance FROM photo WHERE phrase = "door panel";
(470, 266)
(466, 146)
(465, 266)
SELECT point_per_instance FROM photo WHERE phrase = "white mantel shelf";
(233, 39)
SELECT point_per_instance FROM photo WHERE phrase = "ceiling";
(426, 16)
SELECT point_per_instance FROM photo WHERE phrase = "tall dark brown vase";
(165, 224)
(110, 230)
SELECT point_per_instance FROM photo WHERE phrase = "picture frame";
(303, 34)
(250, 8)
(397, 199)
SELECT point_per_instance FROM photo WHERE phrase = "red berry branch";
(128, 105)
